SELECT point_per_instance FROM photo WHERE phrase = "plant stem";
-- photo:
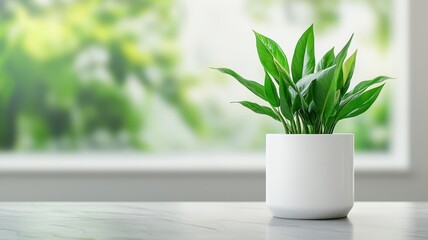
(284, 124)
(299, 124)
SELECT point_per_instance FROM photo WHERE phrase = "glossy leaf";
(362, 86)
(305, 82)
(313, 113)
(312, 108)
(253, 86)
(285, 77)
(340, 58)
(304, 55)
(270, 91)
(259, 109)
(326, 61)
(348, 72)
(290, 100)
(270, 53)
(360, 104)
(286, 106)
(296, 103)
(366, 84)
(324, 93)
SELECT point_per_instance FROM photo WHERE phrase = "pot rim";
(308, 135)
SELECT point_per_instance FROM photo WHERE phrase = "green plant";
(313, 97)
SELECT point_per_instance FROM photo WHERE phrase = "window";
(108, 76)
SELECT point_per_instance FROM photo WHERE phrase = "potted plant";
(309, 170)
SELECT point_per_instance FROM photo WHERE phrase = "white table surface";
(205, 220)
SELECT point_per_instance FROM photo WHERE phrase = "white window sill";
(122, 163)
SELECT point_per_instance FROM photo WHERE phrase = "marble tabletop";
(205, 220)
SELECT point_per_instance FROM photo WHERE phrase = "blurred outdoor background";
(119, 75)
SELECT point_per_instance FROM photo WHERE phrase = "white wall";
(234, 184)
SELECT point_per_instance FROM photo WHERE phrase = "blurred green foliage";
(326, 14)
(69, 71)
(54, 95)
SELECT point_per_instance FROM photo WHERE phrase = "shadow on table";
(279, 228)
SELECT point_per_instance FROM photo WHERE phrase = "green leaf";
(259, 109)
(286, 105)
(362, 86)
(366, 84)
(326, 61)
(285, 77)
(312, 112)
(253, 86)
(340, 58)
(270, 91)
(360, 104)
(324, 93)
(305, 82)
(270, 53)
(296, 101)
(348, 72)
(304, 55)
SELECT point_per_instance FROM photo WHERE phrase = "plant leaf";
(361, 87)
(287, 94)
(324, 93)
(285, 106)
(326, 61)
(340, 58)
(253, 86)
(270, 53)
(312, 112)
(348, 72)
(366, 84)
(285, 77)
(296, 101)
(305, 82)
(259, 109)
(270, 91)
(360, 104)
(304, 55)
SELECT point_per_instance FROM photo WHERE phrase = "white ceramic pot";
(310, 176)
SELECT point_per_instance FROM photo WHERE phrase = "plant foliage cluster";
(308, 97)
